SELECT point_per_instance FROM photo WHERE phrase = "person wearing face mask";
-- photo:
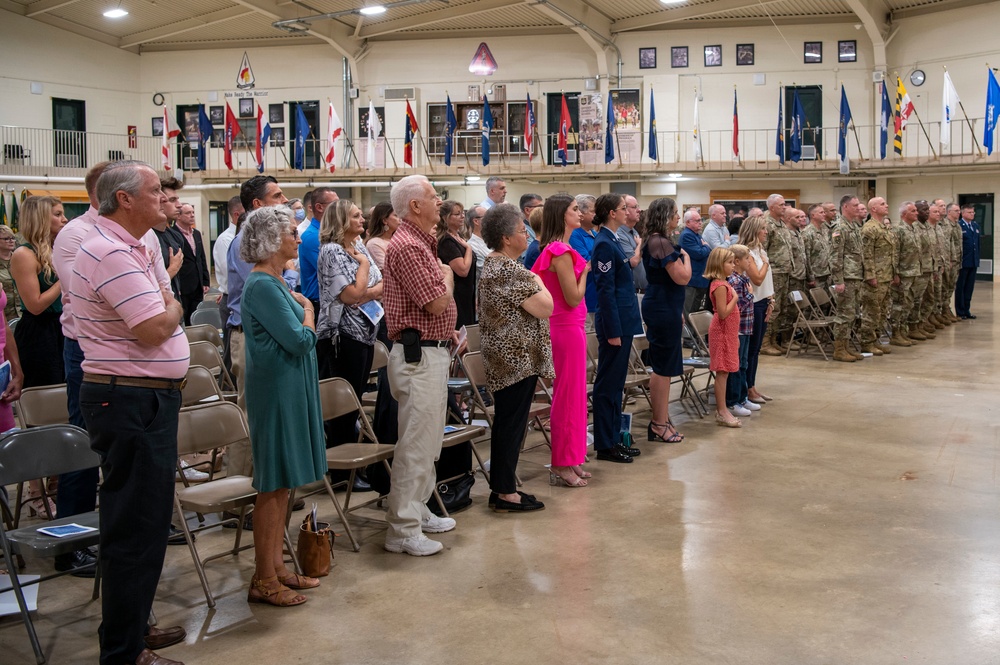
(300, 214)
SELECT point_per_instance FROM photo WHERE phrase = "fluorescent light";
(675, 175)
(117, 12)
(671, 2)
(372, 10)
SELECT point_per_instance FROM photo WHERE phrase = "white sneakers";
(435, 524)
(739, 410)
(417, 546)
(750, 405)
(193, 475)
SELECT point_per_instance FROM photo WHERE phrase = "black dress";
(663, 307)
(465, 287)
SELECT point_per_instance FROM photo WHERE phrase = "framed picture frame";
(217, 114)
(246, 108)
(847, 50)
(744, 54)
(647, 57)
(218, 137)
(276, 114)
(713, 55)
(158, 125)
(812, 53)
(678, 56)
(278, 136)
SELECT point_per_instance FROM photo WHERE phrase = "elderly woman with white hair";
(282, 395)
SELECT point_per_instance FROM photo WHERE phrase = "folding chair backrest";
(210, 316)
(475, 371)
(795, 297)
(201, 385)
(208, 304)
(207, 355)
(43, 405)
(203, 427)
(380, 358)
(819, 296)
(49, 450)
(203, 333)
(474, 340)
(337, 398)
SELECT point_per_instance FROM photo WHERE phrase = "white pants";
(422, 392)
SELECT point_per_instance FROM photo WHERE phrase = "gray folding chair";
(212, 317)
(38, 406)
(27, 454)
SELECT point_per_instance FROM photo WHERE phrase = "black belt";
(441, 343)
(240, 328)
(135, 381)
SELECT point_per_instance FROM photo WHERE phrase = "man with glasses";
(631, 243)
(14, 306)
(528, 203)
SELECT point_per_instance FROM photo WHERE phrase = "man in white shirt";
(222, 243)
(496, 192)
(716, 234)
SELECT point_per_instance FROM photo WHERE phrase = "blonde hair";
(714, 267)
(6, 232)
(446, 209)
(750, 229)
(740, 252)
(335, 220)
(36, 229)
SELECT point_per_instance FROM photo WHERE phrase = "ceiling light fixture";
(372, 10)
(117, 12)
(671, 2)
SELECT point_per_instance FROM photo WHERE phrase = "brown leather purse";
(315, 548)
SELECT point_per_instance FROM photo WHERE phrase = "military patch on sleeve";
(604, 267)
(835, 234)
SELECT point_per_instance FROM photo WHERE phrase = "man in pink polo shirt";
(135, 360)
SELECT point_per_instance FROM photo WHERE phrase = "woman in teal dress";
(282, 394)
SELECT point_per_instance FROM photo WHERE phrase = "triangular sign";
(483, 63)
(245, 80)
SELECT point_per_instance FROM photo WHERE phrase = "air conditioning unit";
(985, 267)
(68, 161)
(809, 152)
(570, 156)
(190, 163)
(399, 94)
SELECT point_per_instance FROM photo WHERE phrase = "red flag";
(564, 131)
(736, 126)
(529, 129)
(411, 129)
(169, 131)
(232, 131)
(260, 129)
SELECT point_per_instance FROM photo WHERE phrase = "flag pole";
(972, 131)
(395, 166)
(926, 135)
(854, 129)
(618, 142)
(739, 158)
(427, 153)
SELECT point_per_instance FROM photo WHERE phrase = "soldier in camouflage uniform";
(779, 254)
(846, 273)
(817, 244)
(878, 244)
(942, 248)
(908, 270)
(952, 215)
(918, 329)
(794, 220)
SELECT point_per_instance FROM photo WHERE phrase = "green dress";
(282, 387)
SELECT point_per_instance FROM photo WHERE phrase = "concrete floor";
(854, 520)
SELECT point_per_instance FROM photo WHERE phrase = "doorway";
(554, 101)
(984, 217)
(311, 151)
(811, 97)
(69, 120)
(218, 221)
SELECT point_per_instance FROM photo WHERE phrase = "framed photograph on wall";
(158, 125)
(218, 137)
(812, 53)
(276, 114)
(847, 50)
(713, 55)
(246, 108)
(217, 114)
(647, 58)
(678, 56)
(744, 54)
(278, 136)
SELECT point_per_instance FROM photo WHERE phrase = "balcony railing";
(45, 153)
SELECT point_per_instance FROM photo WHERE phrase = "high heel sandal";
(721, 421)
(668, 427)
(556, 479)
(38, 505)
(296, 581)
(264, 591)
(578, 470)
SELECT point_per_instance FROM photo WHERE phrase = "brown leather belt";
(135, 381)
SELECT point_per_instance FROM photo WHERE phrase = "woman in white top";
(753, 231)
(474, 227)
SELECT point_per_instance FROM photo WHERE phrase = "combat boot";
(951, 315)
(934, 324)
(884, 348)
(840, 352)
(872, 349)
(768, 348)
(943, 319)
(899, 339)
(928, 330)
(914, 333)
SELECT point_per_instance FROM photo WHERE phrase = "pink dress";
(569, 357)
(724, 334)
(6, 410)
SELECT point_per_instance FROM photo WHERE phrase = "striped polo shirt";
(114, 288)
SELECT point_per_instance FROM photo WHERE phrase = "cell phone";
(411, 345)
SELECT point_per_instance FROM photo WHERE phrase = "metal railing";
(45, 153)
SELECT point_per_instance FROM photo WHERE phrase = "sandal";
(43, 508)
(296, 581)
(272, 592)
(672, 435)
(570, 479)
(722, 421)
(578, 470)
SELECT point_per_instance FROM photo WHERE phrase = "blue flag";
(609, 145)
(487, 127)
(992, 110)
(798, 122)
(885, 121)
(451, 122)
(301, 134)
(651, 150)
(779, 146)
(845, 119)
(204, 135)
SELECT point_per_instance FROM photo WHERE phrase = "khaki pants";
(421, 389)
(239, 456)
(848, 304)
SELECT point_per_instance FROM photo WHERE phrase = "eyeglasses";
(294, 233)
(521, 231)
(622, 208)
(537, 205)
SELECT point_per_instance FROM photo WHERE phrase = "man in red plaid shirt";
(420, 314)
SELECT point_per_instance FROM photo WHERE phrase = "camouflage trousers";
(781, 304)
(902, 297)
(822, 282)
(874, 311)
(919, 291)
(848, 304)
(948, 286)
(932, 297)
(788, 312)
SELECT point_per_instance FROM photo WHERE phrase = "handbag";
(315, 548)
(455, 494)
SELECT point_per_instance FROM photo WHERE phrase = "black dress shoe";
(527, 504)
(361, 485)
(614, 455)
(631, 451)
(970, 316)
(176, 536)
(299, 504)
(160, 638)
(524, 497)
(82, 559)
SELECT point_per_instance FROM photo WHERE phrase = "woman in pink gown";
(8, 351)
(564, 273)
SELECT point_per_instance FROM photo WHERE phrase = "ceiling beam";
(429, 18)
(684, 13)
(186, 25)
(260, 42)
(42, 6)
(593, 27)
(470, 33)
(78, 29)
(873, 17)
(939, 6)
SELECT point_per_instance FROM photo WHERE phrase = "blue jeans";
(134, 430)
(736, 386)
(756, 341)
(77, 489)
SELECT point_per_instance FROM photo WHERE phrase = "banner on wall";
(592, 134)
(627, 105)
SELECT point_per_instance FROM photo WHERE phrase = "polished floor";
(853, 520)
